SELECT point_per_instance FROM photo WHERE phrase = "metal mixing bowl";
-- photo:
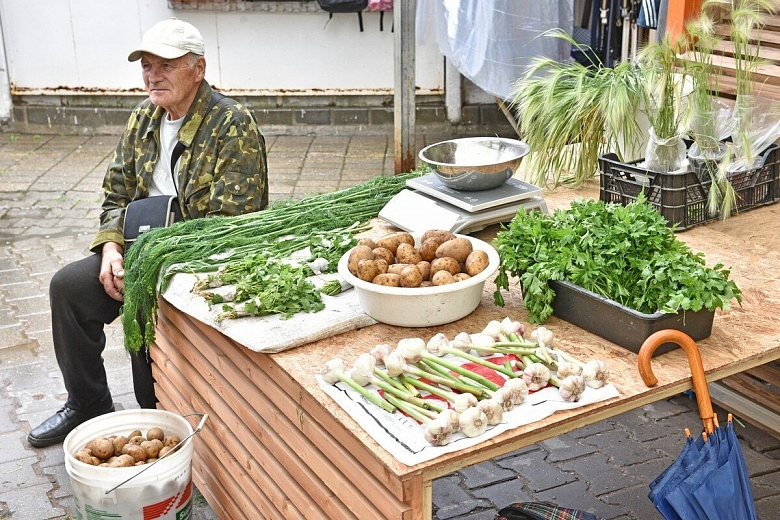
(475, 163)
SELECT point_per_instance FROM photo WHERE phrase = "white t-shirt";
(162, 178)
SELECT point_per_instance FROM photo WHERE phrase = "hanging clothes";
(649, 14)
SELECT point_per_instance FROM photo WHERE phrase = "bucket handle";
(173, 450)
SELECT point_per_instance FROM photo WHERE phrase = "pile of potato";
(393, 260)
(135, 449)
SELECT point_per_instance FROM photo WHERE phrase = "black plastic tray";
(621, 325)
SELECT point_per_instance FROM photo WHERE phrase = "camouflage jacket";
(222, 171)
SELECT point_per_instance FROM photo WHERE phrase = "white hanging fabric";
(492, 42)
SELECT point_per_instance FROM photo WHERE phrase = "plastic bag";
(492, 42)
(665, 155)
(756, 126)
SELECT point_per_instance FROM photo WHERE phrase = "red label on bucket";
(173, 504)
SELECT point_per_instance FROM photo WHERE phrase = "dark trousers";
(80, 309)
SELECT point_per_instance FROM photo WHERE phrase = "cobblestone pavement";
(49, 203)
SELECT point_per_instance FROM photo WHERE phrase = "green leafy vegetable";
(273, 287)
(624, 253)
(201, 245)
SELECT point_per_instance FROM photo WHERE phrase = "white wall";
(81, 46)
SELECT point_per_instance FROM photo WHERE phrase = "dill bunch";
(201, 244)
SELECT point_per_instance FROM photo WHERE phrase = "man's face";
(172, 84)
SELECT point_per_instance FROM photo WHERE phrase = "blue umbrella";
(709, 479)
(727, 490)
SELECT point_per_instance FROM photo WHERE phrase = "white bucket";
(153, 492)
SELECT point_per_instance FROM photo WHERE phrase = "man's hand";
(112, 271)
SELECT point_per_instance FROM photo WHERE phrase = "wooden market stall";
(277, 446)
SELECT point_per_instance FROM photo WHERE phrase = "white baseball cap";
(170, 39)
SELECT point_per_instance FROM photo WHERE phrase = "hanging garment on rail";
(648, 14)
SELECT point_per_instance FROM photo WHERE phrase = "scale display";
(432, 206)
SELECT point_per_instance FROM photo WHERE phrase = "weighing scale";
(430, 204)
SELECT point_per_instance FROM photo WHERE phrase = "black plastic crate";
(681, 197)
(620, 324)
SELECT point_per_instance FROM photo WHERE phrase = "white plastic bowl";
(422, 306)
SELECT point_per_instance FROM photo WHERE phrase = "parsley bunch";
(624, 253)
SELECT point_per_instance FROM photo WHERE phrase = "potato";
(439, 235)
(152, 449)
(123, 461)
(135, 451)
(425, 269)
(460, 277)
(119, 443)
(137, 440)
(134, 433)
(411, 276)
(164, 450)
(445, 264)
(381, 265)
(101, 447)
(366, 241)
(407, 254)
(428, 249)
(357, 254)
(170, 441)
(396, 268)
(426, 283)
(382, 253)
(476, 262)
(442, 278)
(155, 433)
(387, 279)
(457, 248)
(393, 240)
(85, 456)
(367, 270)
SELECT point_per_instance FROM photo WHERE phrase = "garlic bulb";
(571, 388)
(363, 369)
(543, 336)
(512, 327)
(438, 432)
(437, 343)
(567, 368)
(412, 349)
(482, 340)
(518, 389)
(333, 370)
(452, 417)
(463, 402)
(492, 409)
(473, 422)
(395, 364)
(503, 396)
(494, 330)
(595, 373)
(536, 376)
(380, 351)
(462, 342)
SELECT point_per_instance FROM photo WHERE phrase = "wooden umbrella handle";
(694, 360)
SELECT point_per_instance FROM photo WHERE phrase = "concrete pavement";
(49, 205)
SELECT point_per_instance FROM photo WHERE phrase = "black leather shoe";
(54, 429)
